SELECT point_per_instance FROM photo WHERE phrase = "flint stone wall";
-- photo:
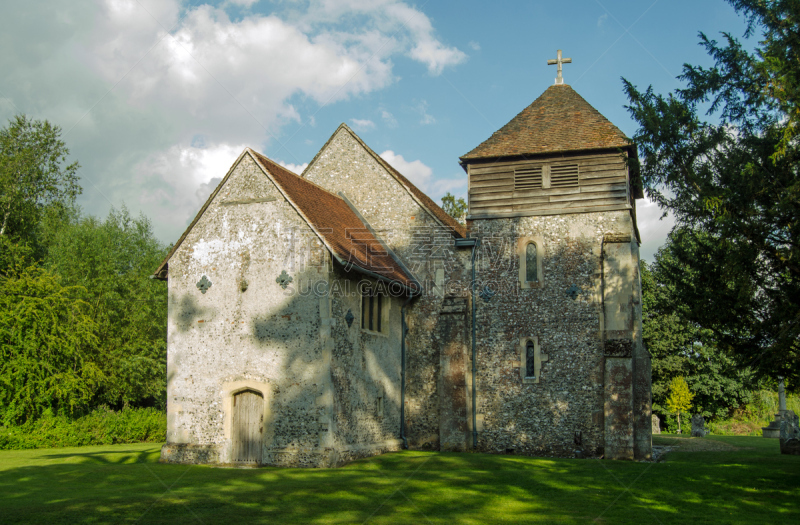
(427, 250)
(365, 371)
(246, 331)
(321, 378)
(542, 418)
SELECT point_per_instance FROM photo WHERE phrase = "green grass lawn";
(710, 480)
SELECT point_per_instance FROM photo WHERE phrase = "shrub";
(751, 418)
(102, 426)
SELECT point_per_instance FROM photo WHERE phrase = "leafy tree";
(113, 260)
(667, 337)
(734, 188)
(680, 347)
(718, 385)
(34, 176)
(680, 398)
(48, 342)
(456, 208)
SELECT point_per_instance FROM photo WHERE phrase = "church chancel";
(340, 313)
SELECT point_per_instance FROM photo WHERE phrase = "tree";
(456, 208)
(679, 347)
(34, 175)
(680, 398)
(734, 187)
(667, 337)
(48, 342)
(778, 66)
(113, 260)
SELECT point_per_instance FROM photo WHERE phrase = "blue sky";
(157, 98)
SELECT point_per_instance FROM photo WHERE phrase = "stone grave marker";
(790, 433)
(699, 426)
(656, 425)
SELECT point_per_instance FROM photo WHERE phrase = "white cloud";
(410, 29)
(436, 56)
(414, 170)
(362, 124)
(210, 63)
(457, 186)
(170, 173)
(602, 19)
(422, 109)
(294, 168)
(422, 176)
(133, 83)
(475, 46)
(652, 228)
(388, 119)
(425, 47)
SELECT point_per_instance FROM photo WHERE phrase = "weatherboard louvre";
(549, 184)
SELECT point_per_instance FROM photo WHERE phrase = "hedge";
(102, 426)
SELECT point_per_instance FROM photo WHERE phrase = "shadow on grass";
(117, 457)
(125, 483)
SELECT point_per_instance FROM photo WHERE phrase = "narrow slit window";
(372, 310)
(363, 312)
(379, 313)
(530, 360)
(531, 268)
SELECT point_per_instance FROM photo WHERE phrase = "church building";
(341, 313)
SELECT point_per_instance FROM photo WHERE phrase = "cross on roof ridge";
(559, 61)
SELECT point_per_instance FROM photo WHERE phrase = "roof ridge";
(306, 211)
(319, 152)
(315, 215)
(409, 186)
(557, 121)
(164, 263)
(290, 172)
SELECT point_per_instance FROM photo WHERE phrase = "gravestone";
(699, 426)
(790, 433)
(656, 425)
(773, 430)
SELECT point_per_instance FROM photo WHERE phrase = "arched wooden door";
(247, 425)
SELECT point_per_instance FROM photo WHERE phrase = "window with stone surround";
(531, 274)
(530, 253)
(531, 359)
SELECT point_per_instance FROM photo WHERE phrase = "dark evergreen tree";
(731, 179)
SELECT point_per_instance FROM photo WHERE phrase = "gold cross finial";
(559, 61)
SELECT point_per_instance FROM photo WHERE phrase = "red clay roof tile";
(337, 224)
(559, 120)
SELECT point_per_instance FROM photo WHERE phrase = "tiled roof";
(458, 229)
(338, 226)
(328, 215)
(559, 120)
